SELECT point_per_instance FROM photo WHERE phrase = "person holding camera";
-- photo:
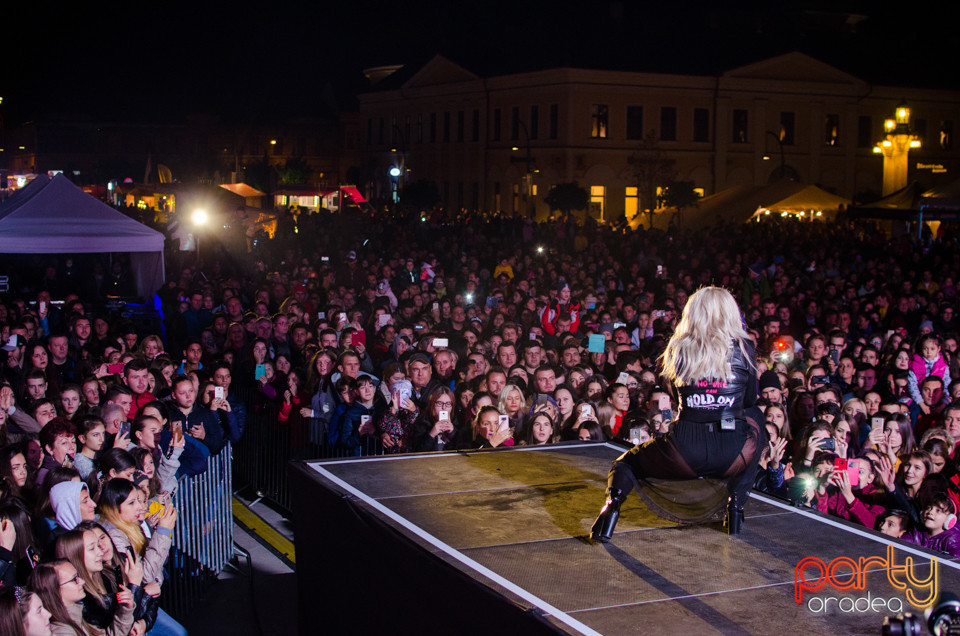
(715, 444)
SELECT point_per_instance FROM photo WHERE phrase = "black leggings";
(696, 449)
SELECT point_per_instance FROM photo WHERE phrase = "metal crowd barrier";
(203, 536)
(261, 457)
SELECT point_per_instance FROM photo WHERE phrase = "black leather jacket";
(711, 400)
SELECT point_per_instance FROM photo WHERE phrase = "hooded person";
(72, 503)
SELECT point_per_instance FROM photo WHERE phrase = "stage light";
(199, 217)
(394, 171)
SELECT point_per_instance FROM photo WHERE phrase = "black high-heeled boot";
(734, 521)
(603, 527)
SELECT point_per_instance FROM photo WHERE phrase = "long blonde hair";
(700, 347)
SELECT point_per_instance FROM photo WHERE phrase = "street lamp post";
(403, 160)
(199, 220)
(895, 148)
(529, 170)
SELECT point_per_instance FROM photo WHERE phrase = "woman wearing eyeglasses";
(434, 430)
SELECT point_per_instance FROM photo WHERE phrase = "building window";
(406, 131)
(380, 131)
(946, 134)
(515, 123)
(497, 122)
(701, 124)
(631, 202)
(919, 126)
(476, 125)
(420, 128)
(788, 128)
(534, 122)
(496, 196)
(554, 120)
(461, 124)
(864, 131)
(741, 122)
(600, 115)
(831, 130)
(369, 132)
(597, 194)
(668, 123)
(634, 122)
(393, 132)
(446, 127)
(433, 128)
(516, 197)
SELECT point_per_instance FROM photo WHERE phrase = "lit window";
(831, 130)
(597, 194)
(946, 134)
(631, 202)
(600, 116)
(533, 189)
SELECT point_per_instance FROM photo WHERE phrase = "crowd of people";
(379, 334)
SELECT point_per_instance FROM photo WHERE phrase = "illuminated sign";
(935, 168)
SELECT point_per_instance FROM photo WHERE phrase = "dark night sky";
(246, 59)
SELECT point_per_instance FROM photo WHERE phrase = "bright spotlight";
(199, 217)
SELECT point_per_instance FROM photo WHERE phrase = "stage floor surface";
(517, 521)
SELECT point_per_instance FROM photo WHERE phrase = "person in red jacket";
(860, 502)
(559, 307)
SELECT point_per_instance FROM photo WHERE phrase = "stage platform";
(469, 542)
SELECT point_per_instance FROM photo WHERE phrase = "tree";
(680, 194)
(295, 171)
(651, 168)
(257, 174)
(567, 197)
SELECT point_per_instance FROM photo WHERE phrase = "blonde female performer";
(710, 456)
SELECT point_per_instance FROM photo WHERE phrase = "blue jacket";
(214, 438)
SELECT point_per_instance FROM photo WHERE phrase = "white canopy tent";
(53, 216)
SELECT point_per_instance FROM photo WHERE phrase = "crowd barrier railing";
(203, 536)
(268, 445)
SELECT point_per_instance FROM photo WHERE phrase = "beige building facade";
(488, 142)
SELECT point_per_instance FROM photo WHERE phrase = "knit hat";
(770, 380)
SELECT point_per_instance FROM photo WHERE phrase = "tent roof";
(738, 204)
(808, 198)
(52, 216)
(243, 190)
